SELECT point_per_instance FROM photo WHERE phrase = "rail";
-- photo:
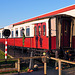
(59, 63)
(42, 57)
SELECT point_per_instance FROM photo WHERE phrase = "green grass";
(24, 67)
(2, 55)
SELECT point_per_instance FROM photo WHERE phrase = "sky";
(13, 11)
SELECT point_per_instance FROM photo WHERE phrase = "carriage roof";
(65, 10)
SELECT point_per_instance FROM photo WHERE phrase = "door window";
(35, 31)
(44, 30)
(65, 28)
(39, 30)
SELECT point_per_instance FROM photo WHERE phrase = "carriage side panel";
(53, 33)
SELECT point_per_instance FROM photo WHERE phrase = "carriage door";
(42, 35)
(44, 38)
(39, 35)
(36, 36)
(65, 34)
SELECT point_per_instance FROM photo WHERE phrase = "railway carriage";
(52, 31)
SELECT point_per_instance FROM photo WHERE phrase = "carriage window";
(12, 33)
(35, 31)
(0, 35)
(21, 34)
(39, 30)
(27, 31)
(44, 30)
(16, 32)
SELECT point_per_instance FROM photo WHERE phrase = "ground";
(50, 71)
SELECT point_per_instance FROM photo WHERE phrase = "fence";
(44, 61)
(59, 63)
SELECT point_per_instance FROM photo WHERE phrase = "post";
(59, 67)
(6, 34)
(5, 48)
(59, 34)
(56, 56)
(18, 65)
(71, 29)
(31, 63)
(45, 69)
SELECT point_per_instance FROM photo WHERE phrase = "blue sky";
(12, 11)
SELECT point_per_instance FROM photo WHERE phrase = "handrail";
(36, 57)
(66, 61)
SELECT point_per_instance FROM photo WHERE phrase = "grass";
(12, 62)
(24, 70)
(2, 55)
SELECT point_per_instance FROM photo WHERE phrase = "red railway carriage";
(51, 31)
